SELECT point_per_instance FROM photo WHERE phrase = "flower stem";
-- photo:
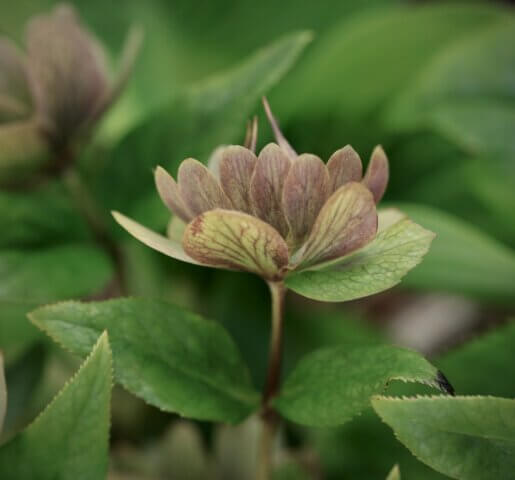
(270, 419)
(91, 212)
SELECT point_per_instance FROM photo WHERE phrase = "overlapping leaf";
(378, 266)
(70, 438)
(172, 359)
(462, 437)
(330, 386)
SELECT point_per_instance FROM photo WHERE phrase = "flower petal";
(199, 188)
(175, 229)
(213, 162)
(170, 195)
(236, 169)
(376, 177)
(306, 189)
(235, 240)
(15, 97)
(347, 221)
(279, 137)
(266, 186)
(130, 52)
(152, 239)
(344, 166)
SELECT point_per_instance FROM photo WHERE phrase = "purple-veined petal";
(152, 239)
(376, 176)
(305, 191)
(347, 221)
(235, 240)
(199, 188)
(266, 186)
(236, 169)
(344, 166)
(170, 195)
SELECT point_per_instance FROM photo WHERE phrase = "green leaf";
(475, 367)
(199, 119)
(32, 277)
(378, 266)
(395, 473)
(462, 259)
(70, 438)
(174, 360)
(480, 127)
(363, 46)
(463, 437)
(3, 393)
(40, 217)
(330, 386)
(480, 66)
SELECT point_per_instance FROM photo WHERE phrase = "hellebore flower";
(60, 87)
(272, 214)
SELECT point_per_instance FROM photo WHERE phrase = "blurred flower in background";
(56, 91)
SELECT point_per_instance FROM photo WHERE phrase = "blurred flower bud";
(60, 87)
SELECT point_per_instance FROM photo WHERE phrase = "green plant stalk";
(270, 418)
(89, 209)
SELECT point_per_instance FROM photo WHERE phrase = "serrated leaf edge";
(41, 327)
(102, 339)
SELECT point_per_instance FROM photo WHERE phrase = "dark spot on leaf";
(444, 384)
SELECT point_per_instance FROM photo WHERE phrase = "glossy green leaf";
(70, 438)
(378, 266)
(462, 437)
(330, 386)
(462, 259)
(33, 277)
(198, 120)
(171, 358)
(3, 393)
(395, 473)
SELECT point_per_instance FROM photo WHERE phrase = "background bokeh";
(433, 82)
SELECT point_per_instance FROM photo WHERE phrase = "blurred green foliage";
(433, 82)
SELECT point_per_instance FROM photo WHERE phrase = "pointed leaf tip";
(70, 438)
(444, 384)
